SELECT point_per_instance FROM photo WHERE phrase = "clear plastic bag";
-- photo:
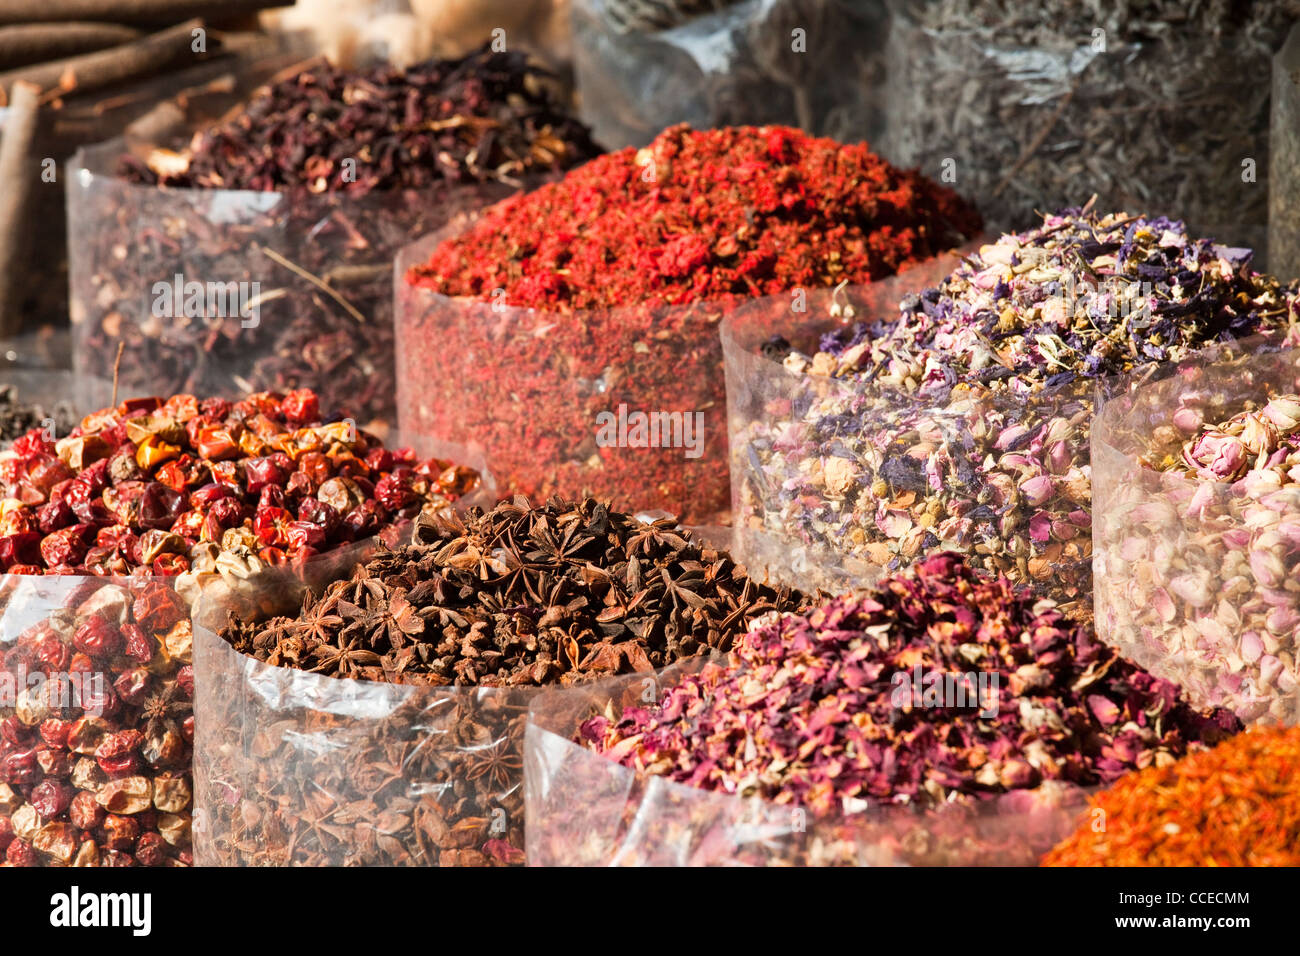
(1030, 108)
(300, 769)
(291, 290)
(1197, 580)
(815, 64)
(586, 810)
(836, 480)
(142, 685)
(95, 706)
(623, 403)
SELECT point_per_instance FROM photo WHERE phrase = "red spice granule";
(1235, 805)
(703, 216)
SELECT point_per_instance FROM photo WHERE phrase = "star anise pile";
(521, 596)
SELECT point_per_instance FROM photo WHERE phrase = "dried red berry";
(20, 853)
(50, 798)
(85, 812)
(97, 638)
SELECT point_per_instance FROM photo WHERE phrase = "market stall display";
(887, 726)
(107, 537)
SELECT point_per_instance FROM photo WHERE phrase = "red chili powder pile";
(703, 215)
(1235, 805)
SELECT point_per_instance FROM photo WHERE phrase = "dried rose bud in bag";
(1198, 534)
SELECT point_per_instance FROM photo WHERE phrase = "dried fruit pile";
(169, 486)
(1235, 805)
(361, 162)
(964, 422)
(630, 262)
(854, 703)
(481, 611)
(95, 753)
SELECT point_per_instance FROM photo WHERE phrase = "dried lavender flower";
(964, 422)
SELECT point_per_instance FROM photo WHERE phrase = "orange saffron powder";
(1235, 805)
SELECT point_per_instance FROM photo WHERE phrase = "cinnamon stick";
(29, 43)
(147, 12)
(18, 171)
(92, 71)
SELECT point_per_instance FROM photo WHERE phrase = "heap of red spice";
(705, 215)
(1235, 805)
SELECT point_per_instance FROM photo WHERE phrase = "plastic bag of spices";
(259, 256)
(96, 706)
(959, 418)
(222, 291)
(1034, 105)
(1197, 528)
(384, 724)
(814, 64)
(942, 717)
(585, 809)
(621, 403)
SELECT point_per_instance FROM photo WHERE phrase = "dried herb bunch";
(964, 422)
(359, 163)
(481, 610)
(823, 709)
(166, 487)
(1150, 103)
(1235, 805)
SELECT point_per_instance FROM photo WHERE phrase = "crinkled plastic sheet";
(300, 769)
(1032, 127)
(737, 66)
(489, 385)
(1197, 580)
(586, 810)
(125, 237)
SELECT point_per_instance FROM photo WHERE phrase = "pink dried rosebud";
(1038, 489)
(1217, 457)
(1284, 412)
(1189, 419)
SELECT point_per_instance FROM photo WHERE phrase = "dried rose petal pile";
(964, 422)
(166, 486)
(825, 709)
